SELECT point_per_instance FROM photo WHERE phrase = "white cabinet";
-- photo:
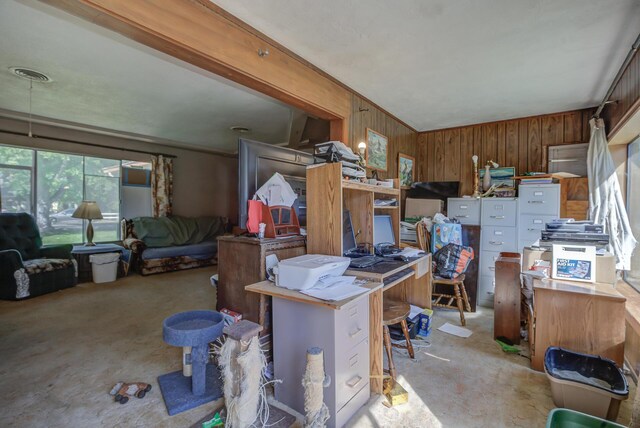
(537, 205)
(499, 233)
(343, 334)
(465, 210)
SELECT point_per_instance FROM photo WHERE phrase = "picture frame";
(377, 150)
(500, 175)
(406, 170)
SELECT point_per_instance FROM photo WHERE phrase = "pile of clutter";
(336, 151)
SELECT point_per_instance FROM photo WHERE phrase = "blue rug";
(176, 390)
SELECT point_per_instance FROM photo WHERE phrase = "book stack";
(536, 179)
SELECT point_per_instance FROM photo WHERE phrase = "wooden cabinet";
(241, 261)
(506, 319)
(588, 318)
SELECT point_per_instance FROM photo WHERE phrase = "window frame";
(635, 284)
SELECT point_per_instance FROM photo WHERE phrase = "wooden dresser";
(581, 317)
(241, 261)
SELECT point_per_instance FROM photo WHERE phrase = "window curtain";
(161, 185)
(606, 206)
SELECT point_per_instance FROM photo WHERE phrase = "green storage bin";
(566, 418)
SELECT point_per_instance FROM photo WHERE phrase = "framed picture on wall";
(376, 154)
(406, 170)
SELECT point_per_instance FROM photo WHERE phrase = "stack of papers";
(335, 288)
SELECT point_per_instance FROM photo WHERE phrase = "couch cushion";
(19, 231)
(35, 266)
(202, 250)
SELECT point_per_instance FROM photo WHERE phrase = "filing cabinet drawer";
(352, 372)
(353, 322)
(487, 263)
(349, 409)
(486, 290)
(465, 210)
(496, 238)
(499, 212)
(529, 227)
(539, 199)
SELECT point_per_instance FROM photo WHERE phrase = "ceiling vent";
(240, 129)
(29, 74)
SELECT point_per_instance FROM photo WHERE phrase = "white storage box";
(574, 262)
(302, 272)
(104, 266)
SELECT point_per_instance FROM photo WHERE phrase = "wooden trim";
(208, 39)
(635, 107)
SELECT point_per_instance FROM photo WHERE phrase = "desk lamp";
(88, 210)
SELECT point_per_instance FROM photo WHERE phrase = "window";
(50, 185)
(16, 180)
(633, 209)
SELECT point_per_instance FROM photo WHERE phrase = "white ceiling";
(441, 63)
(105, 80)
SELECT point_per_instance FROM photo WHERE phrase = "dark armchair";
(27, 269)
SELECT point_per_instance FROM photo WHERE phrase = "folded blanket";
(176, 230)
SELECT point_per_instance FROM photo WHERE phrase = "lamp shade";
(88, 210)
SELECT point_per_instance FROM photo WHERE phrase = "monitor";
(383, 230)
(348, 235)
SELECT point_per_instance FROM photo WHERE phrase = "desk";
(82, 252)
(581, 317)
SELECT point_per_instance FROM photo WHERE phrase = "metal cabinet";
(537, 205)
(343, 334)
(465, 210)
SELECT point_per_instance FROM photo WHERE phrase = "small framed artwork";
(377, 145)
(406, 170)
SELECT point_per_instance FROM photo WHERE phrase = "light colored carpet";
(61, 353)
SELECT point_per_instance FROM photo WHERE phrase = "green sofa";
(28, 269)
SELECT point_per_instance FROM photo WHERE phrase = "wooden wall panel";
(627, 97)
(401, 138)
(445, 155)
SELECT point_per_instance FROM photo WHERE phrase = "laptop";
(361, 259)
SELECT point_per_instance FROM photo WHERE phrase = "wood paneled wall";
(402, 139)
(627, 97)
(445, 155)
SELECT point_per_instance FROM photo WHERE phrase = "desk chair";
(394, 312)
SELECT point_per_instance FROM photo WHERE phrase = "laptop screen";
(348, 235)
(383, 230)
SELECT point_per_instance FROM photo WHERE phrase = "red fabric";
(254, 217)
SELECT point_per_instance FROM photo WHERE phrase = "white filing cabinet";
(499, 221)
(343, 334)
(465, 210)
(537, 205)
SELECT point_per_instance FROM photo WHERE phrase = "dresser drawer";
(499, 212)
(352, 372)
(352, 323)
(486, 290)
(465, 210)
(497, 238)
(539, 199)
(487, 263)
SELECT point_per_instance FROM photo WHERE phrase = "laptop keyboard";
(364, 262)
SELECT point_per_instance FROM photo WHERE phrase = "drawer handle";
(492, 268)
(496, 242)
(536, 202)
(498, 217)
(355, 333)
(353, 360)
(353, 311)
(463, 207)
(533, 230)
(354, 381)
(462, 216)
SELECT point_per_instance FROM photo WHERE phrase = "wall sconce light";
(362, 148)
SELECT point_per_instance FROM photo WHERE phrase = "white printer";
(303, 272)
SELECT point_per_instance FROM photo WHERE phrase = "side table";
(81, 253)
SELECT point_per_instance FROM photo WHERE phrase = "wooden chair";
(394, 312)
(442, 300)
(424, 237)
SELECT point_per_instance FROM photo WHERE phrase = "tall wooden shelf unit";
(328, 196)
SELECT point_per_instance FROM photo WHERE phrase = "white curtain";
(606, 206)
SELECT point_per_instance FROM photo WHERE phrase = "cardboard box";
(605, 264)
(422, 207)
